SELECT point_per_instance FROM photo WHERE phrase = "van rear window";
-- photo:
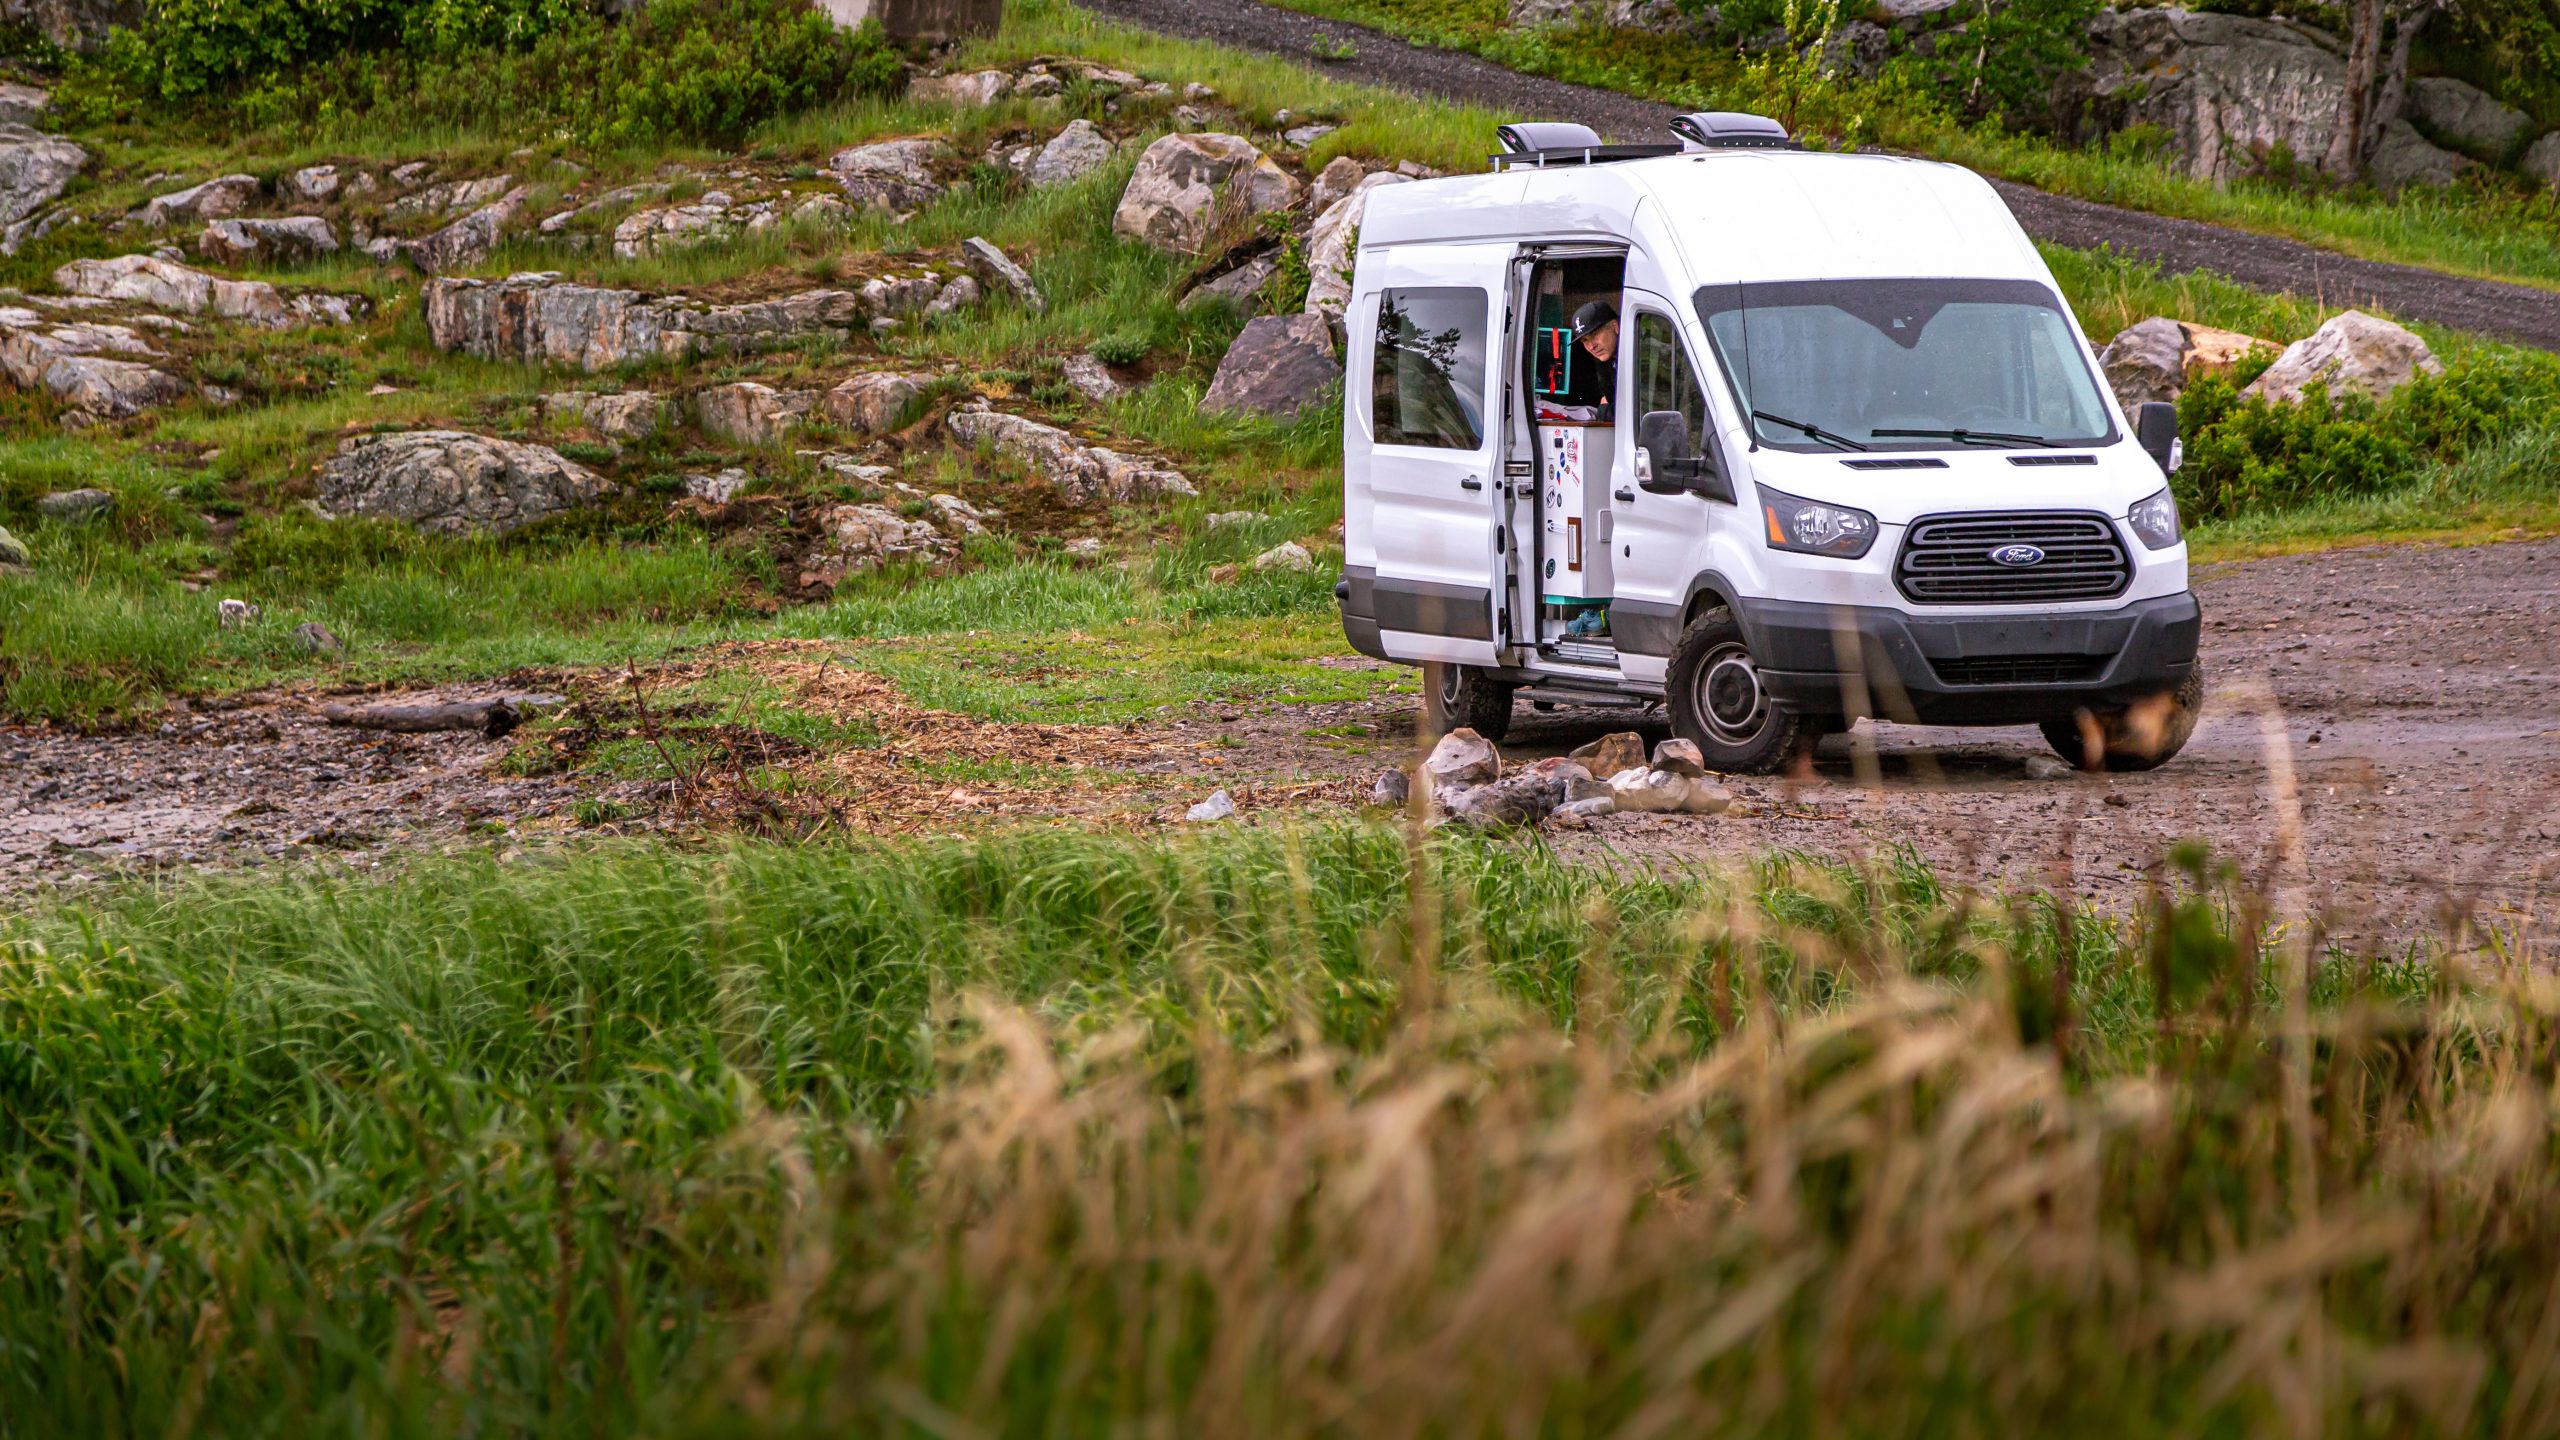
(1427, 386)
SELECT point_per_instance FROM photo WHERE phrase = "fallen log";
(492, 717)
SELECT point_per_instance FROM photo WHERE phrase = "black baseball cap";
(1588, 320)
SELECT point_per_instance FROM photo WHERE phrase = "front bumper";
(1969, 670)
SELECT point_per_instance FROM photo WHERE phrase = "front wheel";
(1463, 697)
(1717, 702)
(2141, 736)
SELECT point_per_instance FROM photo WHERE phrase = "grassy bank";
(1270, 1133)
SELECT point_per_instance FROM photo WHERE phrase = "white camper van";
(1773, 438)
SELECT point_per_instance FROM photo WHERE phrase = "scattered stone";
(1090, 378)
(1219, 806)
(957, 516)
(298, 238)
(1277, 365)
(1081, 473)
(214, 199)
(2047, 767)
(1302, 136)
(1661, 792)
(1680, 757)
(1521, 800)
(453, 482)
(2352, 351)
(538, 318)
(315, 183)
(14, 554)
(982, 87)
(1070, 155)
(466, 241)
(646, 232)
(1340, 176)
(1393, 788)
(1288, 556)
(630, 415)
(313, 638)
(236, 614)
(1188, 191)
(624, 195)
(72, 505)
(961, 293)
(1329, 245)
(900, 296)
(1590, 808)
(892, 175)
(1240, 287)
(748, 413)
(1462, 757)
(1613, 754)
(1222, 519)
(34, 168)
(719, 489)
(872, 404)
(1084, 548)
(996, 269)
(410, 174)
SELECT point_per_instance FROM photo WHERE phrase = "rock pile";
(1465, 783)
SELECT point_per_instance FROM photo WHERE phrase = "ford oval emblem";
(2017, 555)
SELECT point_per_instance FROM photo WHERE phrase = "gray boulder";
(538, 318)
(892, 175)
(93, 388)
(454, 482)
(1330, 243)
(1082, 474)
(74, 24)
(314, 183)
(865, 537)
(2542, 160)
(1461, 758)
(167, 285)
(997, 271)
(1070, 155)
(1278, 364)
(1516, 802)
(81, 504)
(33, 169)
(446, 198)
(2156, 359)
(1338, 178)
(286, 241)
(871, 404)
(23, 104)
(1660, 17)
(2353, 351)
(96, 371)
(1091, 378)
(1680, 757)
(747, 413)
(313, 638)
(214, 199)
(1240, 287)
(14, 554)
(1189, 191)
(1393, 787)
(2467, 117)
(629, 415)
(466, 241)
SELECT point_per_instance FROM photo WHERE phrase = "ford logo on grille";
(2017, 555)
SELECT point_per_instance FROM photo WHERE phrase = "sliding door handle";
(1625, 495)
(1471, 483)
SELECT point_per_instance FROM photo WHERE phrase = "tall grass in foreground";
(1297, 1132)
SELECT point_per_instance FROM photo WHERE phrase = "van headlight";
(1813, 528)
(2155, 519)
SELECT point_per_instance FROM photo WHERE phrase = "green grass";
(1262, 1133)
(2500, 233)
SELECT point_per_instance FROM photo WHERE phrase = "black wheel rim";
(1727, 696)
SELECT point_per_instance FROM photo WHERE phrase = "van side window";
(1664, 378)
(1428, 383)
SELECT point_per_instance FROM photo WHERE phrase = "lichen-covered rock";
(747, 413)
(315, 183)
(454, 482)
(95, 370)
(1188, 190)
(33, 169)
(538, 318)
(167, 285)
(893, 175)
(1276, 365)
(1071, 154)
(2353, 351)
(645, 232)
(446, 198)
(1083, 474)
(290, 240)
(629, 415)
(466, 241)
(221, 196)
(93, 387)
(871, 404)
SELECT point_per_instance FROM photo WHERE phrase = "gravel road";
(2521, 313)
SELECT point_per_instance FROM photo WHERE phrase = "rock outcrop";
(996, 271)
(747, 413)
(628, 415)
(454, 482)
(96, 371)
(33, 169)
(871, 404)
(2353, 352)
(854, 538)
(1082, 474)
(222, 196)
(466, 241)
(1188, 190)
(287, 241)
(1660, 17)
(892, 175)
(2468, 118)
(1278, 364)
(168, 285)
(538, 318)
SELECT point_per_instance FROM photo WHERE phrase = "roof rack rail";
(1731, 130)
(1536, 144)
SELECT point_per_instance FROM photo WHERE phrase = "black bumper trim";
(1357, 592)
(2141, 648)
(1430, 607)
(1643, 627)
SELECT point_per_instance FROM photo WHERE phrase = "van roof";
(1735, 215)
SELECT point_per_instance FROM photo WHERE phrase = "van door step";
(1581, 652)
(1572, 695)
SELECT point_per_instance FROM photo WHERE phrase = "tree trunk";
(2392, 97)
(2345, 160)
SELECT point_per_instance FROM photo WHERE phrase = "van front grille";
(2021, 669)
(1946, 559)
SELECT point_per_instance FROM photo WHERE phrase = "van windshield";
(1911, 364)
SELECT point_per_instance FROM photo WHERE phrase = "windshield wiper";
(1964, 437)
(1810, 432)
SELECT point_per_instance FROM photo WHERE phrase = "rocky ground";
(2417, 691)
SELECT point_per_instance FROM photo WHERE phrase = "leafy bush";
(2003, 65)
(680, 70)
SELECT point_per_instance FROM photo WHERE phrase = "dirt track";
(2522, 313)
(2418, 689)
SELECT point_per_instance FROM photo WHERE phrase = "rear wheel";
(2140, 736)
(1462, 697)
(1717, 702)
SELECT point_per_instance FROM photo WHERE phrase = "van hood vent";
(1917, 462)
(2053, 459)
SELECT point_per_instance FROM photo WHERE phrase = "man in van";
(1594, 387)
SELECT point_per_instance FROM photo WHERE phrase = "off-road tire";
(1714, 695)
(1463, 697)
(2140, 736)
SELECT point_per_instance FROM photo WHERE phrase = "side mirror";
(1662, 439)
(2155, 425)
